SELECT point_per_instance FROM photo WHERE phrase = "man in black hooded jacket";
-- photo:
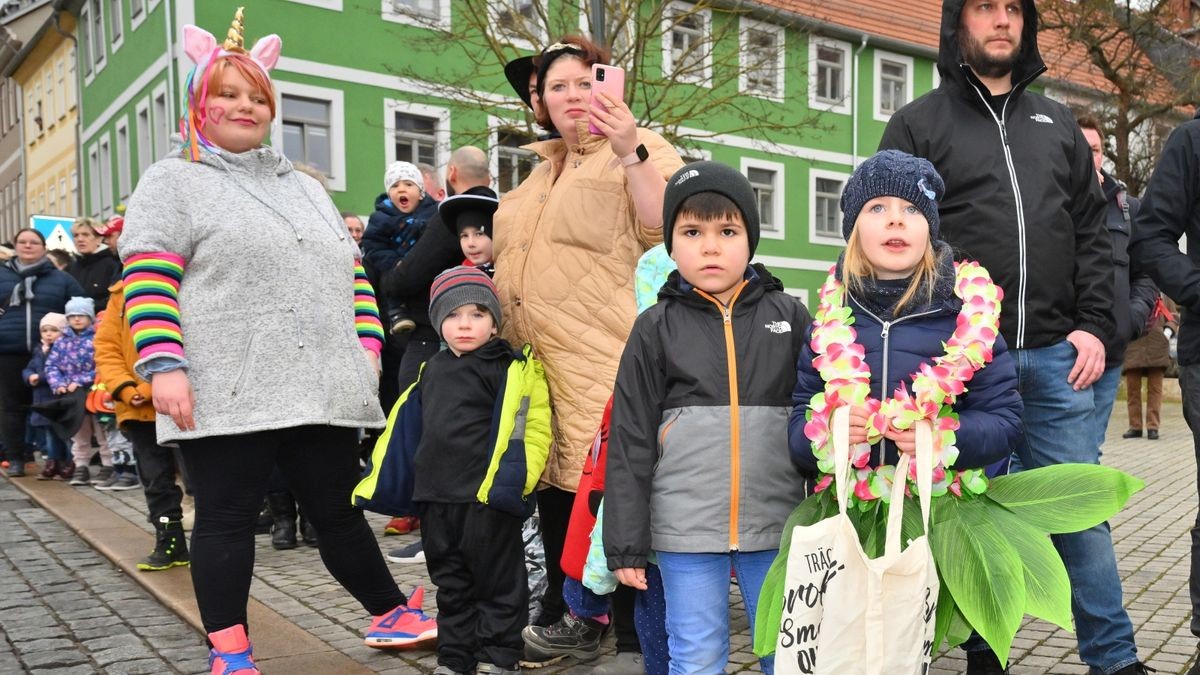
(1022, 198)
(1170, 211)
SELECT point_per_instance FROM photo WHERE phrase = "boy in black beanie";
(714, 357)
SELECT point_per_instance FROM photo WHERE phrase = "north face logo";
(1044, 119)
(779, 327)
(687, 174)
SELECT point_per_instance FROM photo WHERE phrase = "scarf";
(23, 290)
(880, 296)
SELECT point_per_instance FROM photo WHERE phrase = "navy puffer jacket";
(19, 325)
(989, 413)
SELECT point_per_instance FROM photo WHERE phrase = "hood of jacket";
(262, 161)
(950, 63)
(761, 281)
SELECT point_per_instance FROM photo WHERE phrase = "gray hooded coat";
(267, 298)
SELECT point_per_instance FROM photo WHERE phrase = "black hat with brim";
(473, 208)
(518, 71)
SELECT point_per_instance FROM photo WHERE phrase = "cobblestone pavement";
(65, 609)
(1151, 538)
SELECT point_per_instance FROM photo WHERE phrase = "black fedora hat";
(473, 208)
(518, 71)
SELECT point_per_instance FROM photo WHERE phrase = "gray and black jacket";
(696, 465)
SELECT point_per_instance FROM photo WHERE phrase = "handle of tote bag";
(841, 455)
(924, 487)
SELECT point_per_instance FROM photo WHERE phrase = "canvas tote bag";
(845, 614)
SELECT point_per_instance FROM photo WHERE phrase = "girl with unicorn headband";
(254, 321)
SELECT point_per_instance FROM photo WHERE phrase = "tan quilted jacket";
(567, 241)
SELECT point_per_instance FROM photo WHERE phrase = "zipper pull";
(887, 325)
(727, 314)
(1003, 132)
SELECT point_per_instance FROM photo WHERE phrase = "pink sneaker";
(404, 627)
(231, 653)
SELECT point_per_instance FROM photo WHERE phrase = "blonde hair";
(856, 267)
(90, 223)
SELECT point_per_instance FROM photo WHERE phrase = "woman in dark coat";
(30, 286)
(1149, 357)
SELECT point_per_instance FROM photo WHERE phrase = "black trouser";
(15, 398)
(1189, 383)
(554, 514)
(229, 478)
(476, 558)
(156, 467)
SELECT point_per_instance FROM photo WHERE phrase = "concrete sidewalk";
(303, 621)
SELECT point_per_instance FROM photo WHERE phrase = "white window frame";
(746, 25)
(50, 108)
(151, 5)
(124, 181)
(136, 20)
(106, 177)
(68, 207)
(84, 27)
(144, 135)
(333, 5)
(442, 21)
(495, 7)
(668, 29)
(778, 194)
(813, 236)
(160, 125)
(495, 124)
(60, 88)
(937, 77)
(801, 293)
(116, 44)
(93, 199)
(336, 180)
(877, 81)
(441, 128)
(98, 64)
(843, 107)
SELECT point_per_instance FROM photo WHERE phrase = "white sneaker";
(413, 553)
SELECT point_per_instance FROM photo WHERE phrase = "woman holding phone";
(567, 241)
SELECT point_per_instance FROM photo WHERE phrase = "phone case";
(612, 85)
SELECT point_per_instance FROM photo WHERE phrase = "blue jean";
(650, 617)
(54, 447)
(1060, 427)
(696, 588)
(1105, 394)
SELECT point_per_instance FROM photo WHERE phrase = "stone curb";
(279, 645)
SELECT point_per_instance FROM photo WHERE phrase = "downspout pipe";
(854, 105)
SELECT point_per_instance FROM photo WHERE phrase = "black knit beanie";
(710, 177)
(893, 173)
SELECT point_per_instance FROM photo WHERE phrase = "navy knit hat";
(460, 286)
(710, 177)
(893, 173)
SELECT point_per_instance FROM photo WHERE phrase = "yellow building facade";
(47, 79)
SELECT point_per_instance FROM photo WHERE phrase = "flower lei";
(935, 387)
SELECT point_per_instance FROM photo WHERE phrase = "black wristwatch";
(639, 155)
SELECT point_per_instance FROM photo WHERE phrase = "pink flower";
(825, 481)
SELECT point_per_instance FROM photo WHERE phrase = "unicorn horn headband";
(201, 47)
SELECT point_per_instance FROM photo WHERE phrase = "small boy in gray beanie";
(464, 448)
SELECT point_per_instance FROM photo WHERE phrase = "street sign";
(56, 230)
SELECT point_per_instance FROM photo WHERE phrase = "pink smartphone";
(610, 81)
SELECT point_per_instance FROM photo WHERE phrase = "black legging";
(229, 476)
(554, 514)
(15, 397)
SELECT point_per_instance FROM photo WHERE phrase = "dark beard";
(981, 62)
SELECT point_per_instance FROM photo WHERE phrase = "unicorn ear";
(198, 43)
(266, 51)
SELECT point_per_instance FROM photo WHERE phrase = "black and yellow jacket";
(474, 427)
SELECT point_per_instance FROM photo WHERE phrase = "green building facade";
(362, 83)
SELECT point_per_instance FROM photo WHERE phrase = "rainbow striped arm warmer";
(366, 311)
(152, 304)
